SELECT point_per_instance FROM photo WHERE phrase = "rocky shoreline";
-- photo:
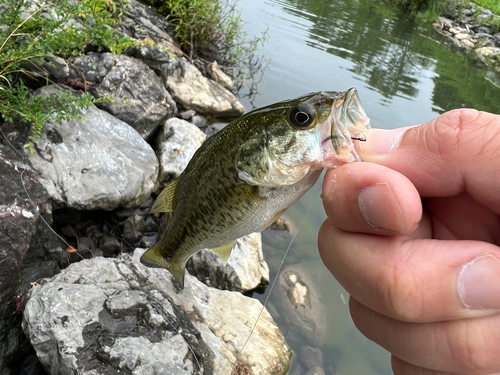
(471, 28)
(74, 219)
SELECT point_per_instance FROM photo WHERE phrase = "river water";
(404, 76)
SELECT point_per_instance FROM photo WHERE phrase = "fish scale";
(243, 177)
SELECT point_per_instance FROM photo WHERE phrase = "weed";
(33, 30)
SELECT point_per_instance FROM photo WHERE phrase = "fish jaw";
(346, 123)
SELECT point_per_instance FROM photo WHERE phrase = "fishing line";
(273, 283)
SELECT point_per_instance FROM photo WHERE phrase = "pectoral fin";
(166, 200)
(153, 258)
(224, 251)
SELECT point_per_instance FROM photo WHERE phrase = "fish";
(245, 176)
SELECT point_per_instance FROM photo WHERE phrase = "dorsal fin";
(166, 200)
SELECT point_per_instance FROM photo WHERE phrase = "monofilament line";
(272, 286)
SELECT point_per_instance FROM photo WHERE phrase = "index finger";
(457, 152)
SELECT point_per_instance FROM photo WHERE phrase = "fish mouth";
(348, 122)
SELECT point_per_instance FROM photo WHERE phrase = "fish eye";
(302, 116)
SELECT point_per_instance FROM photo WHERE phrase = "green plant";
(55, 27)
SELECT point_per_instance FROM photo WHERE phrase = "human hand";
(413, 235)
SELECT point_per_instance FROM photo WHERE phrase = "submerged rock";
(98, 162)
(28, 249)
(192, 90)
(117, 315)
(300, 307)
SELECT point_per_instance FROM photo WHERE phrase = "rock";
(484, 29)
(198, 121)
(483, 16)
(214, 128)
(192, 90)
(300, 307)
(15, 134)
(467, 43)
(462, 36)
(138, 95)
(458, 30)
(133, 228)
(445, 22)
(176, 144)
(186, 115)
(28, 248)
(467, 12)
(219, 76)
(54, 69)
(485, 53)
(482, 35)
(109, 245)
(110, 315)
(311, 357)
(245, 270)
(142, 22)
(98, 162)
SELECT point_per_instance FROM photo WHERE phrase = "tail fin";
(153, 258)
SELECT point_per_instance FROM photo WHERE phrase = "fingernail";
(382, 141)
(479, 283)
(380, 208)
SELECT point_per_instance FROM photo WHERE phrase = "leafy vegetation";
(33, 30)
(209, 30)
(493, 5)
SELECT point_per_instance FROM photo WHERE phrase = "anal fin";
(224, 251)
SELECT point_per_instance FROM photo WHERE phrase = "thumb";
(458, 151)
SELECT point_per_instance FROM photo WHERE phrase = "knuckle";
(404, 298)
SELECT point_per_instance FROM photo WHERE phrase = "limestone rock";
(219, 76)
(28, 249)
(176, 144)
(245, 270)
(114, 314)
(138, 95)
(98, 162)
(192, 90)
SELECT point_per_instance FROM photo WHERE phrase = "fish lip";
(348, 121)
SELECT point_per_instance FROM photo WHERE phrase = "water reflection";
(394, 53)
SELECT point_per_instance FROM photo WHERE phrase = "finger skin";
(456, 152)
(400, 367)
(408, 279)
(466, 346)
(341, 193)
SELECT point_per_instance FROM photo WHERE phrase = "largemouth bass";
(245, 176)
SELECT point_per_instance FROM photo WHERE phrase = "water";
(404, 76)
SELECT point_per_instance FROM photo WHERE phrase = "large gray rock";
(98, 162)
(138, 95)
(176, 144)
(28, 249)
(246, 269)
(114, 314)
(192, 90)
